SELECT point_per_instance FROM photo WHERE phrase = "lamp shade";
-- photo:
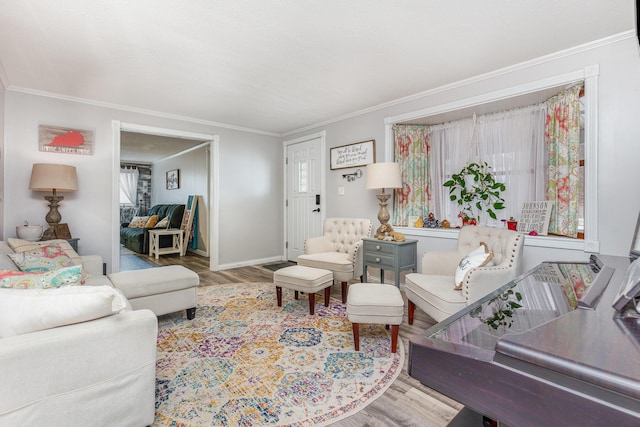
(47, 177)
(383, 175)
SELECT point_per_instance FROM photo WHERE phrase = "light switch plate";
(341, 191)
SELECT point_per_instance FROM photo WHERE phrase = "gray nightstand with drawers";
(396, 256)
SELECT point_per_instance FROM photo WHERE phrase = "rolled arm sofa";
(137, 239)
(99, 372)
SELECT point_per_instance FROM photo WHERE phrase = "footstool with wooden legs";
(375, 303)
(304, 279)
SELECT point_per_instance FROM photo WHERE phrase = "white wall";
(89, 212)
(253, 186)
(193, 177)
(194, 174)
(250, 187)
(618, 154)
(2, 109)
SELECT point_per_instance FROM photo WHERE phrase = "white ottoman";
(375, 303)
(304, 279)
(162, 290)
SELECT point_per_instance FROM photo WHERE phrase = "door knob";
(316, 210)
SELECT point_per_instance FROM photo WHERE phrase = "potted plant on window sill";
(476, 191)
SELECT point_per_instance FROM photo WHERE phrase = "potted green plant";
(476, 190)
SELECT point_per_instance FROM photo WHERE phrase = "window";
(511, 142)
(128, 185)
(510, 97)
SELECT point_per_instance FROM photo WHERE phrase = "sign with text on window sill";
(535, 216)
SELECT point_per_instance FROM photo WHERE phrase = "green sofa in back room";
(137, 239)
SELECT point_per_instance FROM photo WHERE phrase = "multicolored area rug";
(244, 361)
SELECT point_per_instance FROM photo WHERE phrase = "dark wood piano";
(547, 349)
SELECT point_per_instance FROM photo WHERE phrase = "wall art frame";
(173, 179)
(58, 139)
(62, 231)
(353, 155)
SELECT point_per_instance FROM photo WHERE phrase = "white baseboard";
(250, 263)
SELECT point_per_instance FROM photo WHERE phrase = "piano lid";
(544, 294)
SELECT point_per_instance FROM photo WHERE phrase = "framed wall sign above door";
(352, 155)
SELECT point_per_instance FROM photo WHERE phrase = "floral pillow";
(67, 276)
(163, 223)
(46, 258)
(139, 222)
(19, 245)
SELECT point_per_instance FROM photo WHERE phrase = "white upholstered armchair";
(432, 290)
(338, 249)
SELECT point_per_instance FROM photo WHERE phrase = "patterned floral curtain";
(562, 136)
(411, 152)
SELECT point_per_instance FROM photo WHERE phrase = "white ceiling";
(278, 66)
(144, 148)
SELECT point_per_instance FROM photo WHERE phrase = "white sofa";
(95, 373)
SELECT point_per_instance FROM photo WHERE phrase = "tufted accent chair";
(433, 291)
(338, 249)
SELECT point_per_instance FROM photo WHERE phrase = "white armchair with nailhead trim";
(338, 249)
(432, 290)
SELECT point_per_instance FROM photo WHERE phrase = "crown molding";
(138, 110)
(481, 77)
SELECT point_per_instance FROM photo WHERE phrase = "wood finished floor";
(405, 403)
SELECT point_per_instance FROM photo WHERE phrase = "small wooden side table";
(175, 248)
(396, 256)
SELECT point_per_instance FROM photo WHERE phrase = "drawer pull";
(378, 247)
(377, 259)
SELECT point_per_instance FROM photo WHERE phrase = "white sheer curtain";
(128, 185)
(511, 142)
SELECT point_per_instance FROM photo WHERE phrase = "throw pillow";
(163, 223)
(138, 222)
(476, 258)
(28, 310)
(66, 247)
(46, 258)
(18, 245)
(152, 221)
(66, 276)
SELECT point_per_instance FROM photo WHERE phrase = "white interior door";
(305, 196)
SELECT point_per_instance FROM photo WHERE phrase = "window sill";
(554, 242)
